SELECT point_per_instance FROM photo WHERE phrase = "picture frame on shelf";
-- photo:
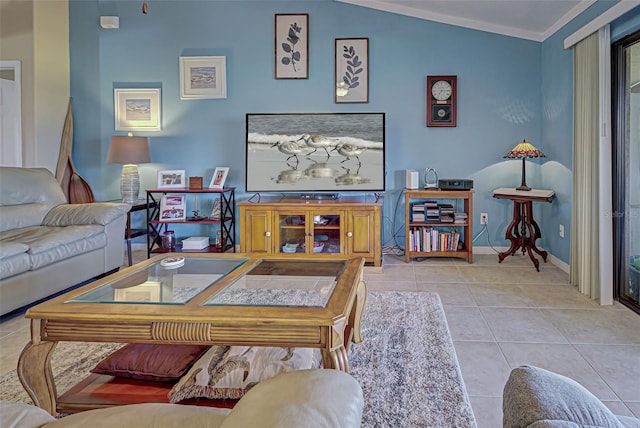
(203, 77)
(172, 179)
(219, 177)
(173, 208)
(137, 109)
(291, 46)
(351, 70)
(216, 210)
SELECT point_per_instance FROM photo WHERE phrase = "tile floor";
(500, 316)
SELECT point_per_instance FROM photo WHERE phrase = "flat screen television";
(311, 153)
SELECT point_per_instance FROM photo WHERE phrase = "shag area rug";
(406, 365)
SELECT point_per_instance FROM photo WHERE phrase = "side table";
(129, 233)
(523, 229)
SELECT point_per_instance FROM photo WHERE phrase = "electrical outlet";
(562, 230)
(484, 218)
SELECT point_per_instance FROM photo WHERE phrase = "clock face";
(441, 90)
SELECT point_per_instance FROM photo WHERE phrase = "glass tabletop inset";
(297, 283)
(172, 280)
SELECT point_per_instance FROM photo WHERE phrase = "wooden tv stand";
(325, 228)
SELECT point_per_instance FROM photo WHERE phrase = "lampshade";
(522, 151)
(128, 151)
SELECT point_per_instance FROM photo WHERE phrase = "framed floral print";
(352, 71)
(292, 46)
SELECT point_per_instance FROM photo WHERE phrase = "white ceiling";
(527, 19)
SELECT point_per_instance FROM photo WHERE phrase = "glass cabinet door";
(310, 232)
(327, 232)
(292, 232)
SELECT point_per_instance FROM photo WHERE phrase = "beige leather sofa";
(307, 398)
(47, 245)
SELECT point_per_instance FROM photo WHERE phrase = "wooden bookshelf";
(418, 244)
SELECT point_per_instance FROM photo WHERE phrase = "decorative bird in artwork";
(316, 142)
(348, 150)
(290, 148)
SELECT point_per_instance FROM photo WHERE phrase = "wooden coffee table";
(221, 299)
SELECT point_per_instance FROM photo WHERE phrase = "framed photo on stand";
(173, 208)
(216, 210)
(172, 179)
(219, 177)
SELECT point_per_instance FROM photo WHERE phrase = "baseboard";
(550, 258)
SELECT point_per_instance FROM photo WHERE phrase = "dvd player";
(455, 184)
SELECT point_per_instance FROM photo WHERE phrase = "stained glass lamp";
(522, 151)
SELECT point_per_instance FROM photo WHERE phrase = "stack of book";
(446, 213)
(432, 211)
(460, 217)
(417, 212)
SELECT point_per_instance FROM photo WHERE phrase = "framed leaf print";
(291, 46)
(352, 70)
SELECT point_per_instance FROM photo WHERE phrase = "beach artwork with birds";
(315, 152)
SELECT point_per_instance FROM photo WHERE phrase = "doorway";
(10, 114)
(626, 170)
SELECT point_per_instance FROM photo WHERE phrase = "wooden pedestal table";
(208, 299)
(523, 231)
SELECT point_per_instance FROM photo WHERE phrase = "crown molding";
(505, 30)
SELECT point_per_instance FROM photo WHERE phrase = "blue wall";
(508, 89)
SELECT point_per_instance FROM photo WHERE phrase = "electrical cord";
(483, 230)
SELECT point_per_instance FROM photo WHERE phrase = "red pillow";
(142, 361)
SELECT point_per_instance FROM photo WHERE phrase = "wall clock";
(441, 100)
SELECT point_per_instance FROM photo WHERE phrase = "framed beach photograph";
(351, 71)
(219, 177)
(291, 46)
(172, 179)
(173, 208)
(137, 109)
(203, 77)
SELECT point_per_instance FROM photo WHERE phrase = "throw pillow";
(231, 374)
(142, 361)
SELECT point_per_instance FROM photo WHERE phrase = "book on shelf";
(427, 239)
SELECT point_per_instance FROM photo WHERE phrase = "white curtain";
(585, 258)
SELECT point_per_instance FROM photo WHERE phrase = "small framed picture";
(291, 46)
(137, 109)
(352, 71)
(173, 208)
(216, 212)
(219, 177)
(173, 179)
(203, 77)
